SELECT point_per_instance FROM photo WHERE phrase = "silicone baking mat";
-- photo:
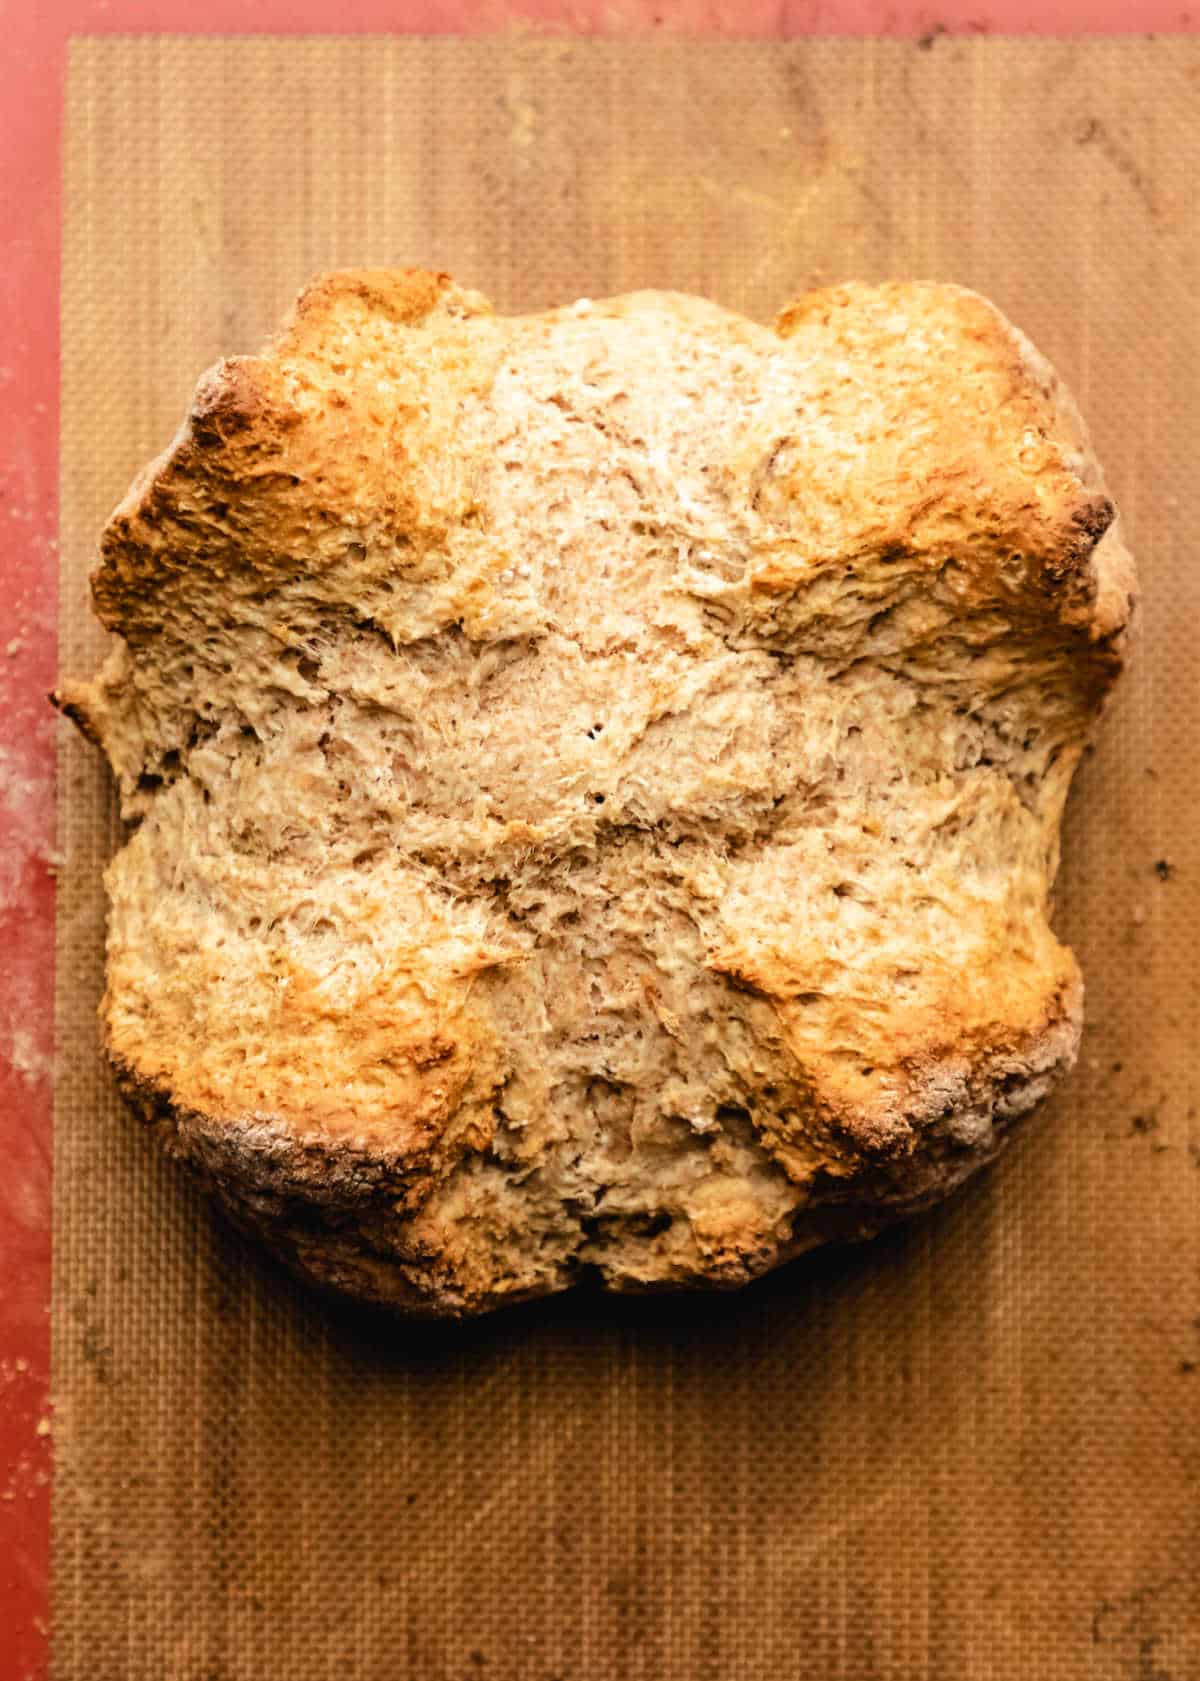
(966, 1451)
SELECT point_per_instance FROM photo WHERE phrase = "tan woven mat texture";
(967, 1452)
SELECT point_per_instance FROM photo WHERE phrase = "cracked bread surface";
(596, 777)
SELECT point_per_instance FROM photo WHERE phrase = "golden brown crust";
(960, 437)
(580, 830)
(403, 297)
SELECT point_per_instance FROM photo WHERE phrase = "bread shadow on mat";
(712, 1324)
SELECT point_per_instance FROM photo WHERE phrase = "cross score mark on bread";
(597, 776)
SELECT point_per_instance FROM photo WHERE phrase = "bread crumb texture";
(595, 778)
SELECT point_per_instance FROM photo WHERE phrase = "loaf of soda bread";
(595, 777)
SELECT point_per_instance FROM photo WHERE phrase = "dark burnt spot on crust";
(1088, 524)
(64, 701)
